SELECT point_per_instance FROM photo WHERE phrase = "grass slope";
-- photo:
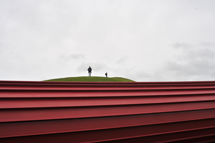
(93, 79)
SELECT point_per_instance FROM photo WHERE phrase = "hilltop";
(93, 79)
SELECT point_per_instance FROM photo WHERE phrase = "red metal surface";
(107, 112)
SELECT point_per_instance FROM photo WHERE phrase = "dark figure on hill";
(89, 71)
(106, 74)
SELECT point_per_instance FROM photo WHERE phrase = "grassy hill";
(93, 79)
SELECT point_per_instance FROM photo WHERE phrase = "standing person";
(89, 71)
(106, 74)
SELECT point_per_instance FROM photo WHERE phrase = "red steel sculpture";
(115, 112)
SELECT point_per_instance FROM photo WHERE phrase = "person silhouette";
(89, 71)
(106, 74)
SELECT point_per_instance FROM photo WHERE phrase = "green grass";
(93, 79)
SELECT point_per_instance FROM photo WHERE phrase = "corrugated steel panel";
(118, 112)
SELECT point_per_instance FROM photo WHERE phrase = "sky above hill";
(144, 40)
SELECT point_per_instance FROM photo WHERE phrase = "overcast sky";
(144, 40)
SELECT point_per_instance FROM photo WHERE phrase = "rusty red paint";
(107, 112)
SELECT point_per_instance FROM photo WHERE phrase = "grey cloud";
(122, 60)
(195, 64)
(144, 76)
(180, 45)
(67, 57)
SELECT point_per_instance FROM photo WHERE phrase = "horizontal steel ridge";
(34, 111)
